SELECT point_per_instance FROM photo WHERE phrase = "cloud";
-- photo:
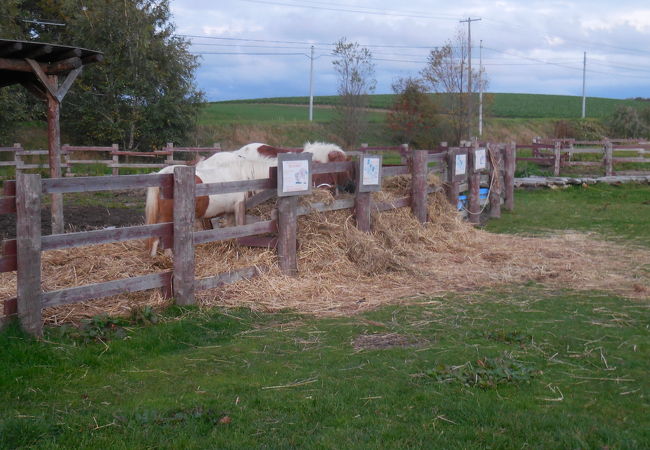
(541, 41)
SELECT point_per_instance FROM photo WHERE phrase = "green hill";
(510, 106)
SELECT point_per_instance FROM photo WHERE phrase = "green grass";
(615, 212)
(504, 105)
(230, 112)
(570, 372)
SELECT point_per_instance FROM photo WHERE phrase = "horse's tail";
(151, 216)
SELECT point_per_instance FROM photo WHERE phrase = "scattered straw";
(344, 271)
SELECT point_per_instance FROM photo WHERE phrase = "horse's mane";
(320, 150)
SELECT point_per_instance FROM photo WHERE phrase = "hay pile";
(342, 270)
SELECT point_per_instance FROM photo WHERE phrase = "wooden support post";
(184, 215)
(287, 234)
(495, 181)
(556, 158)
(116, 159)
(419, 185)
(452, 186)
(608, 159)
(509, 162)
(473, 186)
(54, 150)
(28, 246)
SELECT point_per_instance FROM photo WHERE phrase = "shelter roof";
(54, 59)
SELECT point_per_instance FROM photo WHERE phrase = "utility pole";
(469, 21)
(480, 87)
(311, 85)
(584, 76)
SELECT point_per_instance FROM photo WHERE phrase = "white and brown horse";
(159, 210)
(322, 153)
(250, 162)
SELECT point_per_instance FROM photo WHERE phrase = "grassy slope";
(504, 105)
(289, 381)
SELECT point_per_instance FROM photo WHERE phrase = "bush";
(626, 122)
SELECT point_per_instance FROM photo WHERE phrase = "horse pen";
(323, 260)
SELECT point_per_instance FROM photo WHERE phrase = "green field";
(513, 367)
(503, 106)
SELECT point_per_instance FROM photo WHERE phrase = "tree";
(356, 80)
(412, 117)
(446, 73)
(626, 122)
(143, 94)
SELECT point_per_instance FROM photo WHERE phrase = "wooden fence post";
(28, 251)
(473, 187)
(452, 186)
(184, 216)
(362, 202)
(608, 158)
(18, 160)
(404, 153)
(170, 157)
(287, 234)
(419, 193)
(116, 159)
(510, 163)
(495, 180)
(66, 159)
(556, 159)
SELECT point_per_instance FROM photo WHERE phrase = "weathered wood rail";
(23, 197)
(108, 156)
(558, 153)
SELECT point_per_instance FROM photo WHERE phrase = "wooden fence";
(23, 197)
(559, 153)
(110, 156)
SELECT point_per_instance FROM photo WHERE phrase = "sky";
(261, 48)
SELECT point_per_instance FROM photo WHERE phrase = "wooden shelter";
(47, 71)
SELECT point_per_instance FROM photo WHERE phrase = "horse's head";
(342, 181)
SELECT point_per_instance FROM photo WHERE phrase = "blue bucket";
(462, 202)
(483, 193)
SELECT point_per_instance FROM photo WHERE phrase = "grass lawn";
(619, 213)
(520, 366)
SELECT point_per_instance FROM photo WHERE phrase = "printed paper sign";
(295, 176)
(480, 163)
(461, 165)
(371, 168)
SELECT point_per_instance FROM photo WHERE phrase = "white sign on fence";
(294, 174)
(369, 179)
(371, 168)
(480, 161)
(461, 165)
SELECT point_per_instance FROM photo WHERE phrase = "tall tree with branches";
(356, 80)
(446, 73)
(413, 117)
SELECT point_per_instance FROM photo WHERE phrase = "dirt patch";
(383, 341)
(123, 208)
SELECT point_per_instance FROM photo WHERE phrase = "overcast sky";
(260, 48)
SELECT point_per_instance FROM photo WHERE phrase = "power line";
(356, 11)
